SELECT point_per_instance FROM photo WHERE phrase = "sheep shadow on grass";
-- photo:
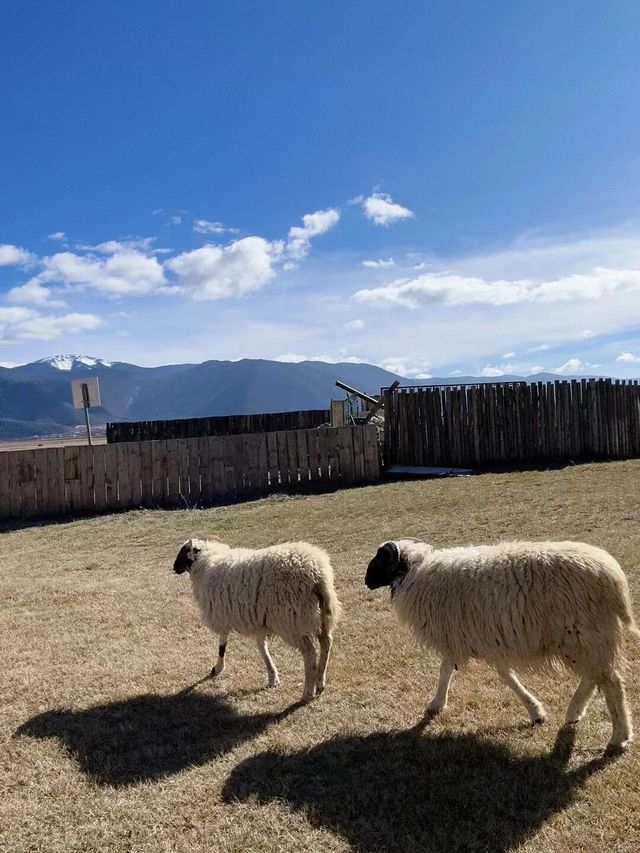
(150, 737)
(399, 791)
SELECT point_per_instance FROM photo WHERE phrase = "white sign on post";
(86, 393)
(91, 394)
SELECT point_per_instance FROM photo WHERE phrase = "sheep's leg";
(613, 689)
(222, 648)
(272, 672)
(439, 701)
(325, 639)
(309, 654)
(533, 706)
(579, 701)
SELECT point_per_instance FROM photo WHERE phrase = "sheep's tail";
(330, 607)
(624, 610)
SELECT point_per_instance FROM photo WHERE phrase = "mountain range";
(35, 398)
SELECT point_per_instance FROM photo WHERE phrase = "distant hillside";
(39, 393)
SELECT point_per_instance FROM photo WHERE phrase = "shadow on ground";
(403, 791)
(149, 737)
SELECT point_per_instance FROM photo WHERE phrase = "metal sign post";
(86, 393)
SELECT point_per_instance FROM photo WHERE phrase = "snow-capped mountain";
(72, 362)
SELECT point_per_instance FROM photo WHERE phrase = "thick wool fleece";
(521, 604)
(285, 590)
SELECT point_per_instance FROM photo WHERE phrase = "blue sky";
(439, 188)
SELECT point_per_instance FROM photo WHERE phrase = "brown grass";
(105, 747)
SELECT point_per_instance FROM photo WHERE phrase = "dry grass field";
(111, 740)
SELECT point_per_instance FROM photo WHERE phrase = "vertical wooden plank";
(15, 485)
(159, 465)
(333, 471)
(173, 473)
(122, 474)
(27, 467)
(5, 499)
(99, 485)
(344, 436)
(283, 458)
(42, 482)
(72, 478)
(233, 483)
(146, 474)
(85, 465)
(272, 460)
(219, 487)
(303, 456)
(358, 450)
(371, 454)
(292, 458)
(182, 461)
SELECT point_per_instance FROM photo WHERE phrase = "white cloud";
(296, 358)
(381, 209)
(412, 368)
(454, 290)
(379, 264)
(586, 334)
(125, 273)
(203, 226)
(14, 256)
(314, 224)
(33, 293)
(57, 235)
(508, 355)
(8, 364)
(175, 220)
(23, 324)
(217, 272)
(540, 348)
(573, 365)
(355, 324)
(628, 358)
(488, 370)
(456, 373)
(113, 247)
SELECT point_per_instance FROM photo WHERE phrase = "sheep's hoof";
(274, 682)
(308, 697)
(319, 689)
(616, 747)
(538, 721)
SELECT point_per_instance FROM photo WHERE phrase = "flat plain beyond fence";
(183, 472)
(507, 424)
(220, 425)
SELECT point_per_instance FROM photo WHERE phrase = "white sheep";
(285, 590)
(516, 605)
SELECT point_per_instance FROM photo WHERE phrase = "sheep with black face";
(285, 590)
(516, 605)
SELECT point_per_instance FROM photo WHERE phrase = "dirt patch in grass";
(112, 740)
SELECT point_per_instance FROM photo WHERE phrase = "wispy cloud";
(204, 226)
(379, 264)
(57, 235)
(314, 224)
(628, 358)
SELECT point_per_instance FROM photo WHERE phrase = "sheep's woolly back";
(285, 589)
(522, 603)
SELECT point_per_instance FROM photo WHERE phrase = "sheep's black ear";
(383, 568)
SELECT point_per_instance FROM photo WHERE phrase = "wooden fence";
(182, 472)
(223, 425)
(508, 424)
